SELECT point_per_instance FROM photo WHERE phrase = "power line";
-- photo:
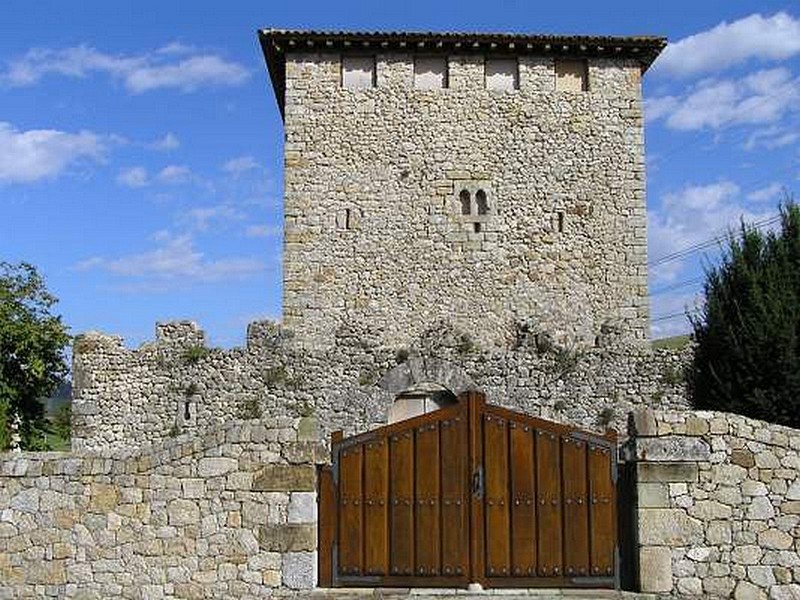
(683, 313)
(696, 247)
(676, 286)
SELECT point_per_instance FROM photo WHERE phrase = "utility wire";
(683, 313)
(688, 250)
(677, 286)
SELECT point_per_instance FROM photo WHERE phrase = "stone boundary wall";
(718, 505)
(230, 514)
(177, 385)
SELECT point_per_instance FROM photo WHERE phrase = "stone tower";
(486, 180)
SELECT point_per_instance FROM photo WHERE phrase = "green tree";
(747, 359)
(32, 345)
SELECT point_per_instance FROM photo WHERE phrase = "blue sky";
(140, 143)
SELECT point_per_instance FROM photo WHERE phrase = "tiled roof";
(276, 42)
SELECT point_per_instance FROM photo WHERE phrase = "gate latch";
(477, 482)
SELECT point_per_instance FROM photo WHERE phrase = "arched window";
(420, 400)
(480, 199)
(466, 204)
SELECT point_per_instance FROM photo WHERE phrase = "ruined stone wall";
(718, 505)
(373, 225)
(124, 398)
(231, 514)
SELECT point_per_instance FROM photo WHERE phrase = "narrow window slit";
(186, 410)
(477, 227)
(483, 205)
(560, 222)
(466, 202)
(347, 218)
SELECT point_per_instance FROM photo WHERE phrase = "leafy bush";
(32, 346)
(747, 359)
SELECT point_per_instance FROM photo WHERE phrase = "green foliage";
(5, 425)
(368, 377)
(274, 376)
(194, 354)
(32, 344)
(191, 390)
(466, 344)
(747, 359)
(401, 356)
(672, 343)
(606, 416)
(672, 375)
(250, 408)
(62, 422)
(174, 431)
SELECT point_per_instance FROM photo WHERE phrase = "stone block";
(300, 570)
(281, 478)
(183, 512)
(308, 430)
(775, 539)
(642, 423)
(303, 507)
(743, 458)
(747, 554)
(672, 449)
(666, 472)
(653, 495)
(709, 510)
(193, 488)
(288, 538)
(216, 466)
(760, 509)
(747, 591)
(785, 592)
(790, 508)
(104, 498)
(26, 501)
(669, 527)
(655, 569)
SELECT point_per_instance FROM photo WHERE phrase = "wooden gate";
(469, 493)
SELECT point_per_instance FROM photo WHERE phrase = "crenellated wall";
(123, 398)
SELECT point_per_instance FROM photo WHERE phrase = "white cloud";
(263, 231)
(188, 75)
(761, 97)
(168, 67)
(201, 218)
(694, 215)
(134, 177)
(754, 37)
(240, 165)
(174, 174)
(176, 262)
(169, 142)
(774, 136)
(765, 194)
(36, 154)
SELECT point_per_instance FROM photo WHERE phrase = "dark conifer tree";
(747, 358)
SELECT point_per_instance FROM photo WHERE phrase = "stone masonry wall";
(230, 514)
(373, 225)
(122, 398)
(718, 505)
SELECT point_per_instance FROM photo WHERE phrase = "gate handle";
(477, 482)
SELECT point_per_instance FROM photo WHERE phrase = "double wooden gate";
(469, 493)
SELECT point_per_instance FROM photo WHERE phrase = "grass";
(672, 343)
